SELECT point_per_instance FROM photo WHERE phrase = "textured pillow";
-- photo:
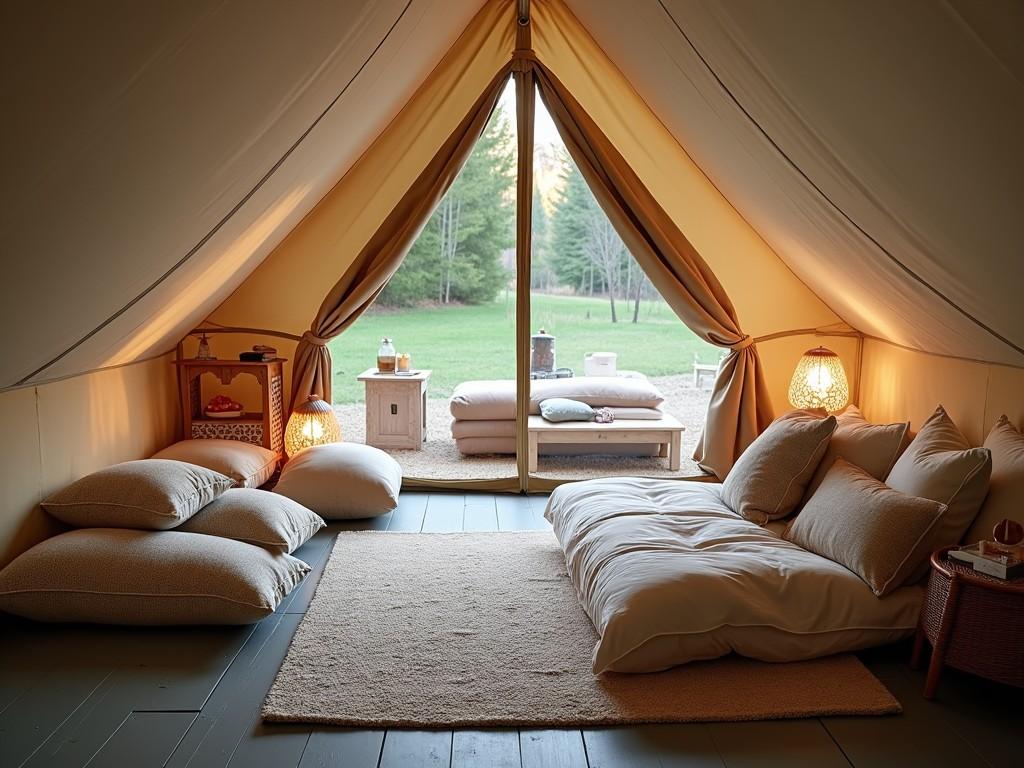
(857, 521)
(257, 517)
(768, 480)
(152, 494)
(1005, 498)
(342, 480)
(941, 465)
(250, 466)
(116, 576)
(872, 447)
(562, 409)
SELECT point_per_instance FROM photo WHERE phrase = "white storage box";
(599, 364)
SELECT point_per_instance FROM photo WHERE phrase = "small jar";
(386, 356)
(404, 362)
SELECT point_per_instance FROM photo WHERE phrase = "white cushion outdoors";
(768, 480)
(1005, 500)
(342, 480)
(496, 400)
(117, 576)
(250, 466)
(151, 494)
(669, 574)
(942, 466)
(265, 519)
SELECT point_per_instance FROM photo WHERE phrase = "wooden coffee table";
(666, 432)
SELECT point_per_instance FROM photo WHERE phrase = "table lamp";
(311, 423)
(819, 381)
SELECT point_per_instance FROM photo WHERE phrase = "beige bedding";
(669, 574)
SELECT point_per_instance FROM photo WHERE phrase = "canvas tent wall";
(833, 162)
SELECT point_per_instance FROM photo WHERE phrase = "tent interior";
(787, 176)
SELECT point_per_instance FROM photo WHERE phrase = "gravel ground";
(440, 460)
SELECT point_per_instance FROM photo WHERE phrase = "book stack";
(991, 559)
(260, 354)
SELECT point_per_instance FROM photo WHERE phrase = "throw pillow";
(151, 494)
(563, 409)
(769, 478)
(265, 519)
(1005, 500)
(857, 521)
(250, 466)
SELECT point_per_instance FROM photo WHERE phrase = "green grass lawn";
(459, 343)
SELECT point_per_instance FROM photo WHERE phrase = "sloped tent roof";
(155, 156)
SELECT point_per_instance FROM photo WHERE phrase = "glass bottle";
(386, 356)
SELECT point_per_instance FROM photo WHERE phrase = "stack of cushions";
(250, 466)
(484, 412)
(226, 561)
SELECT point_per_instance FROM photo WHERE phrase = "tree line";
(458, 257)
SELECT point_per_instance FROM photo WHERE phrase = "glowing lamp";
(311, 423)
(819, 381)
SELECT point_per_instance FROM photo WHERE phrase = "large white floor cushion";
(669, 574)
(152, 494)
(118, 576)
(496, 400)
(265, 519)
(250, 466)
(342, 480)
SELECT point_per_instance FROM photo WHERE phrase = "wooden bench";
(666, 432)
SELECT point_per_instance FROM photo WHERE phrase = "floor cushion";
(670, 574)
(506, 446)
(249, 465)
(265, 519)
(1005, 499)
(496, 400)
(769, 478)
(151, 494)
(342, 480)
(118, 576)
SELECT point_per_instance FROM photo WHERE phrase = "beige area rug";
(441, 460)
(484, 629)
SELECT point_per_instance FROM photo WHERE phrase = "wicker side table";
(974, 622)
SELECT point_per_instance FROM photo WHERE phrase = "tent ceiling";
(137, 135)
(876, 146)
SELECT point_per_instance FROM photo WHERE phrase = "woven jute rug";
(484, 629)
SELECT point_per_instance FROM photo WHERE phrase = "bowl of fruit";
(223, 407)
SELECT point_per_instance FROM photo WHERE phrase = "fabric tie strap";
(311, 338)
(743, 343)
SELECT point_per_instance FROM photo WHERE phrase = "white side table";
(396, 409)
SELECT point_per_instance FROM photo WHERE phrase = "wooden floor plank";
(921, 736)
(144, 738)
(416, 749)
(316, 553)
(515, 513)
(270, 745)
(776, 744)
(232, 710)
(486, 749)
(480, 514)
(558, 748)
(348, 747)
(652, 746)
(408, 515)
(445, 513)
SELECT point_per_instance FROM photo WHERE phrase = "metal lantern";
(542, 352)
(311, 423)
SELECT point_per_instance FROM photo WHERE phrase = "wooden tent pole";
(525, 105)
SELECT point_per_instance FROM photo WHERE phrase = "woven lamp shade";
(819, 381)
(311, 423)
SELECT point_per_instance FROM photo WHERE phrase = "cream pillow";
(942, 466)
(857, 521)
(768, 480)
(872, 447)
(1005, 498)
(342, 480)
(151, 494)
(117, 576)
(250, 466)
(257, 517)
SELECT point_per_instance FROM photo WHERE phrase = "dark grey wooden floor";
(105, 696)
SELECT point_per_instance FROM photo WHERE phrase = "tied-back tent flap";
(740, 405)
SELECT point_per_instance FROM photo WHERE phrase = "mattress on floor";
(669, 574)
(475, 446)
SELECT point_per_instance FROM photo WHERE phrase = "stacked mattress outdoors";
(484, 412)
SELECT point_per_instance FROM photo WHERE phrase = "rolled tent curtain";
(381, 256)
(740, 406)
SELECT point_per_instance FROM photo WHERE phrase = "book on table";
(987, 558)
